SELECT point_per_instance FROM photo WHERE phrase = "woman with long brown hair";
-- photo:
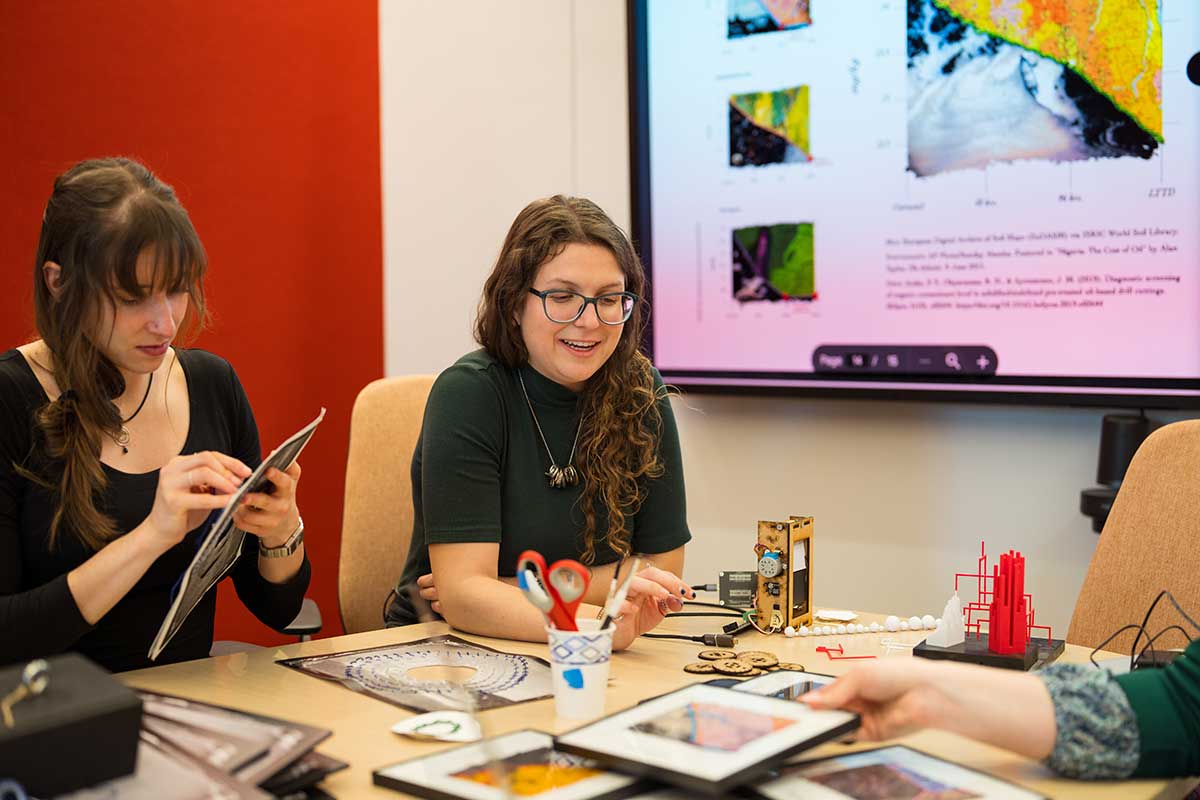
(116, 447)
(556, 436)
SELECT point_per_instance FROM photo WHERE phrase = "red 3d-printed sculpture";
(1008, 632)
(1009, 610)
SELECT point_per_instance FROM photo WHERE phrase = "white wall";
(525, 98)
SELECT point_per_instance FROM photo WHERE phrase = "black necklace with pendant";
(560, 477)
(122, 438)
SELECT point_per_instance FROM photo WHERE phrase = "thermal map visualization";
(1006, 80)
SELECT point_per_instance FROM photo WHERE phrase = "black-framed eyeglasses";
(563, 305)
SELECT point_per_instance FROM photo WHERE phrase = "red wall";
(264, 116)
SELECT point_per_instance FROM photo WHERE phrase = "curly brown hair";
(102, 217)
(620, 421)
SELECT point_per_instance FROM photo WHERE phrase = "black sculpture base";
(974, 650)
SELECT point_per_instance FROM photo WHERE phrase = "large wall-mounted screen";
(989, 199)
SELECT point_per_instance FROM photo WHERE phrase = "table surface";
(361, 724)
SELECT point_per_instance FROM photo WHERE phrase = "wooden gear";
(783, 593)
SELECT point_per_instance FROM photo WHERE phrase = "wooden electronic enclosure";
(783, 594)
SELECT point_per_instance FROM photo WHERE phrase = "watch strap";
(287, 548)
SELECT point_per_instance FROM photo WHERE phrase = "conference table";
(252, 681)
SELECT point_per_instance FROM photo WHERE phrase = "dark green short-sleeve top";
(479, 474)
(1166, 703)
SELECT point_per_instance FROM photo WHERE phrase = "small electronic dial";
(769, 566)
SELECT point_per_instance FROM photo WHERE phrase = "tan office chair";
(377, 517)
(1149, 543)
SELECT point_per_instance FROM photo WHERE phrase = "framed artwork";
(190, 750)
(500, 679)
(519, 764)
(706, 738)
(248, 746)
(887, 773)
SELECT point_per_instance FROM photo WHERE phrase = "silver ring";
(36, 676)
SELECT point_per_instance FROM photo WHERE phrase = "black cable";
(1142, 630)
(671, 636)
(702, 614)
(1146, 621)
(1183, 613)
(1115, 634)
(1150, 644)
(710, 639)
(712, 605)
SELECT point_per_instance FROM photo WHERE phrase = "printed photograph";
(774, 262)
(769, 128)
(532, 773)
(994, 81)
(889, 773)
(748, 17)
(887, 782)
(712, 726)
(518, 764)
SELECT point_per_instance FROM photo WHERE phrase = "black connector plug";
(1156, 659)
(705, 587)
(718, 640)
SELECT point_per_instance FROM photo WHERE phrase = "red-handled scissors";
(568, 582)
(565, 575)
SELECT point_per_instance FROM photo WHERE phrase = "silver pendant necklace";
(560, 477)
(122, 438)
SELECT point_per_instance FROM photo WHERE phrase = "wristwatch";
(287, 548)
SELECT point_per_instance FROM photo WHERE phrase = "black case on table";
(82, 730)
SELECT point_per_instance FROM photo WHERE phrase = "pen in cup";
(612, 586)
(614, 603)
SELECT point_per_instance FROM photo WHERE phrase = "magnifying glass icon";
(952, 361)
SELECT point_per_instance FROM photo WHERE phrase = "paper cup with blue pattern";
(579, 661)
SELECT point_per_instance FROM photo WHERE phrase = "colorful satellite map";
(1007, 80)
(748, 17)
(1115, 45)
(774, 262)
(769, 127)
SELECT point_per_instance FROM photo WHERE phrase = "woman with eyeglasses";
(556, 436)
(116, 444)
